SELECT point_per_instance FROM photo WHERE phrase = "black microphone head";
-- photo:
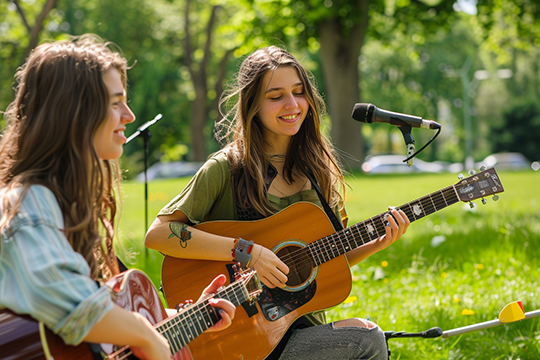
(363, 112)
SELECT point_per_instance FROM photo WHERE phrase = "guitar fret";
(191, 333)
(204, 319)
(200, 323)
(184, 335)
(211, 317)
(171, 335)
(316, 252)
(333, 246)
(357, 230)
(371, 229)
(408, 209)
(427, 205)
(433, 203)
(325, 253)
(444, 198)
(343, 250)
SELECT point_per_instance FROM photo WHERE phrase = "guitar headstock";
(251, 282)
(479, 185)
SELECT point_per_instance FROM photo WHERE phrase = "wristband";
(242, 252)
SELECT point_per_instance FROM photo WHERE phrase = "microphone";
(369, 113)
(143, 127)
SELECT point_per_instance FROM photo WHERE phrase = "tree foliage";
(402, 55)
(519, 130)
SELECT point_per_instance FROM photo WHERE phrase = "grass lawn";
(454, 268)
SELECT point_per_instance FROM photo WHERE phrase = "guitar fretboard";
(352, 237)
(199, 317)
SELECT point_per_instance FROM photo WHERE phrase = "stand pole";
(146, 138)
(145, 132)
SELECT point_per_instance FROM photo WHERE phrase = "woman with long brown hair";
(59, 179)
(275, 155)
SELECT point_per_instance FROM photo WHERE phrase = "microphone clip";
(409, 141)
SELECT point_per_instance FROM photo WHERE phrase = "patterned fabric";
(40, 273)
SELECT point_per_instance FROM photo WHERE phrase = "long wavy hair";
(61, 99)
(240, 132)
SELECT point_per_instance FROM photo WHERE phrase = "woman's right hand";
(156, 348)
(270, 269)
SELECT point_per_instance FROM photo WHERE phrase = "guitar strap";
(338, 225)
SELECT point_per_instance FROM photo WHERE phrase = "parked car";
(506, 161)
(173, 169)
(387, 164)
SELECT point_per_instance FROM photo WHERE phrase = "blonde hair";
(240, 131)
(61, 99)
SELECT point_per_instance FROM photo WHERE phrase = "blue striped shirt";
(40, 273)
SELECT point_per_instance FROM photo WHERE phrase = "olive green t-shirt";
(209, 196)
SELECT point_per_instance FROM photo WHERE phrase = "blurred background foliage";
(441, 60)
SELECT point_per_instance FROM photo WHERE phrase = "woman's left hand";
(394, 230)
(226, 308)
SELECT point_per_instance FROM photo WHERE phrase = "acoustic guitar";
(22, 337)
(302, 236)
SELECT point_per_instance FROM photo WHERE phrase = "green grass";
(488, 257)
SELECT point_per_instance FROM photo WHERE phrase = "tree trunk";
(339, 55)
(199, 115)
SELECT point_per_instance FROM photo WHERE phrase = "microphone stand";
(145, 132)
(409, 141)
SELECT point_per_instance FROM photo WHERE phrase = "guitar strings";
(236, 289)
(198, 316)
(429, 204)
(322, 248)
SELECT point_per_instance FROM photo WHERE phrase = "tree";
(199, 77)
(519, 130)
(21, 26)
(339, 27)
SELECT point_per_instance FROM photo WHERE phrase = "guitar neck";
(199, 317)
(354, 236)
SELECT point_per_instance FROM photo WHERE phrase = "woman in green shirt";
(275, 155)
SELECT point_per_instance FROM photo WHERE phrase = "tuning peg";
(461, 176)
(471, 204)
(472, 172)
(484, 201)
(482, 168)
(495, 197)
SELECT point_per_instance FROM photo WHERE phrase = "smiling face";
(109, 137)
(283, 106)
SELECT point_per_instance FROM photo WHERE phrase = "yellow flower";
(467, 312)
(385, 280)
(479, 266)
(350, 299)
(384, 263)
(456, 299)
(444, 275)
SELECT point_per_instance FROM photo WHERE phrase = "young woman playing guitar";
(58, 179)
(275, 156)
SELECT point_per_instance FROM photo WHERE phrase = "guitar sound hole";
(299, 263)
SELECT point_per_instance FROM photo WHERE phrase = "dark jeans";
(340, 343)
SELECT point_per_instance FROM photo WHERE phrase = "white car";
(388, 164)
(506, 161)
(173, 169)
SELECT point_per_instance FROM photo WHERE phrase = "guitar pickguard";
(276, 303)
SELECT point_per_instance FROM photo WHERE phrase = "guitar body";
(20, 336)
(20, 340)
(253, 338)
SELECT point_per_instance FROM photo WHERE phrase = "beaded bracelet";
(242, 251)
